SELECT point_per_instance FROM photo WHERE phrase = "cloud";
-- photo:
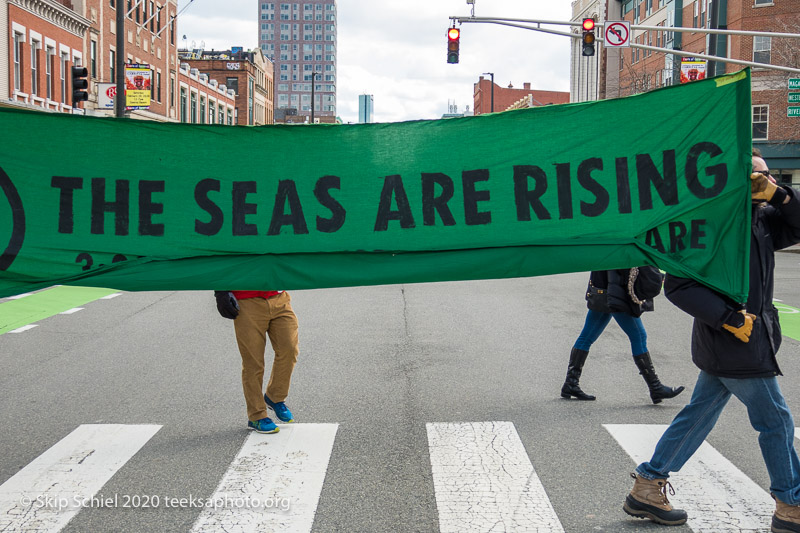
(396, 50)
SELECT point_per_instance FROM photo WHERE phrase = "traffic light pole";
(119, 98)
(681, 53)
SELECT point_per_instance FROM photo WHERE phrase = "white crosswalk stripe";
(274, 483)
(484, 480)
(53, 488)
(482, 476)
(718, 497)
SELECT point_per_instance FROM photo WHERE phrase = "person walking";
(734, 345)
(610, 295)
(256, 315)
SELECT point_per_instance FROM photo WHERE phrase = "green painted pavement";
(790, 320)
(40, 305)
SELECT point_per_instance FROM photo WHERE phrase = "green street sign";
(794, 98)
(793, 111)
(794, 83)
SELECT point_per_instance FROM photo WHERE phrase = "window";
(112, 66)
(64, 61)
(48, 63)
(763, 2)
(112, 3)
(232, 83)
(183, 104)
(158, 86)
(760, 121)
(172, 91)
(212, 112)
(761, 49)
(93, 59)
(202, 110)
(221, 115)
(18, 61)
(193, 110)
(34, 68)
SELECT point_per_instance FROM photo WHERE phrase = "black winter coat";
(615, 282)
(714, 349)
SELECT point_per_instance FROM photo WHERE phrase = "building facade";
(300, 39)
(365, 108)
(485, 91)
(626, 71)
(4, 71)
(249, 74)
(150, 38)
(45, 39)
(584, 70)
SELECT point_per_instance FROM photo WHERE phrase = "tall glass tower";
(300, 39)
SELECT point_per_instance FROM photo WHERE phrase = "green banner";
(657, 178)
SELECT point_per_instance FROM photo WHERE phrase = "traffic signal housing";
(453, 38)
(588, 37)
(79, 85)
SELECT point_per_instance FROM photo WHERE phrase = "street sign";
(794, 98)
(794, 83)
(105, 95)
(793, 111)
(618, 33)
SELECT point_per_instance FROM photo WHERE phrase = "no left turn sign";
(617, 34)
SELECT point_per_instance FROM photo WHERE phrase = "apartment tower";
(300, 39)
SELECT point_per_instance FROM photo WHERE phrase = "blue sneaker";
(281, 411)
(265, 425)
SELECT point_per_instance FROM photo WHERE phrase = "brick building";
(45, 39)
(249, 74)
(202, 100)
(506, 97)
(625, 71)
(150, 37)
(4, 52)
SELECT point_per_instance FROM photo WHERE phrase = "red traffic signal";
(588, 24)
(453, 38)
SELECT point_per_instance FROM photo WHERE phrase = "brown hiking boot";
(648, 499)
(786, 518)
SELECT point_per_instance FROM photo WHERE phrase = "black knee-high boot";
(570, 388)
(658, 391)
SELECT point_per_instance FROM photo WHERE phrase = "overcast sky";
(395, 50)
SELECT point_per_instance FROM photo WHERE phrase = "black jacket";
(615, 282)
(716, 350)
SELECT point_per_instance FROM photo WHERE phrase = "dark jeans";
(596, 322)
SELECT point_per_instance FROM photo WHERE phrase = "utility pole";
(119, 99)
(492, 104)
(313, 78)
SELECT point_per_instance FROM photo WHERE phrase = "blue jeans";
(768, 414)
(596, 322)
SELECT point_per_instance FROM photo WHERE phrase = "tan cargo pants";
(259, 318)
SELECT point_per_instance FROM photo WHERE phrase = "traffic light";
(588, 37)
(79, 85)
(453, 38)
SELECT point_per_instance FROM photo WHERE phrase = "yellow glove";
(743, 331)
(761, 188)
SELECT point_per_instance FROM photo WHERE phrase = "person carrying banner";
(256, 315)
(734, 345)
(610, 295)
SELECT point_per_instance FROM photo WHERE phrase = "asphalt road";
(380, 362)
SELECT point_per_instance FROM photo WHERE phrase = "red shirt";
(241, 295)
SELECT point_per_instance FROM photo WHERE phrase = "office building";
(365, 107)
